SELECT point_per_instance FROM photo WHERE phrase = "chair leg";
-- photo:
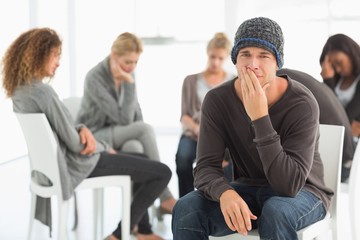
(98, 222)
(32, 215)
(126, 203)
(63, 207)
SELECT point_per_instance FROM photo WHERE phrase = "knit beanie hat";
(260, 32)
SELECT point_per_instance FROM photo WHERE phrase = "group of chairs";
(42, 151)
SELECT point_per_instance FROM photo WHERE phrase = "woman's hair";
(343, 43)
(26, 58)
(125, 43)
(220, 40)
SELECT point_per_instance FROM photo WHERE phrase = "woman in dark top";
(340, 69)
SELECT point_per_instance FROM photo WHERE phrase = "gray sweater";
(103, 107)
(279, 150)
(74, 167)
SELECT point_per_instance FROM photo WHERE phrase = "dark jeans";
(149, 177)
(196, 218)
(185, 158)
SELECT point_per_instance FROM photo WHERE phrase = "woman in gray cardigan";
(34, 56)
(110, 107)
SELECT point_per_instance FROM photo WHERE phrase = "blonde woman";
(110, 107)
(194, 89)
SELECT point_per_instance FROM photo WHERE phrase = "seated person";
(331, 112)
(194, 89)
(111, 110)
(340, 69)
(270, 124)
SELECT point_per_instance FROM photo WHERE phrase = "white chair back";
(331, 148)
(73, 104)
(42, 152)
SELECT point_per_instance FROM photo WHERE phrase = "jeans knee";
(274, 212)
(276, 217)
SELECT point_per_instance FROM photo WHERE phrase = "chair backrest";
(73, 104)
(42, 152)
(331, 148)
(354, 194)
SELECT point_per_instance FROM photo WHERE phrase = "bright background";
(175, 34)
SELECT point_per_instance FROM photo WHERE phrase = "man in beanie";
(270, 125)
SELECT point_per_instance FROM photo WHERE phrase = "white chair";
(73, 104)
(330, 148)
(354, 195)
(42, 151)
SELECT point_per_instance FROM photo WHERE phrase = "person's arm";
(62, 123)
(355, 128)
(328, 72)
(189, 124)
(187, 97)
(287, 159)
(138, 113)
(108, 105)
(327, 69)
(209, 175)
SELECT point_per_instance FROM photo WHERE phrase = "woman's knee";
(133, 146)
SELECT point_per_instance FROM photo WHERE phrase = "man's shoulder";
(223, 89)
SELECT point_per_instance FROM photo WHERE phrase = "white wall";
(88, 29)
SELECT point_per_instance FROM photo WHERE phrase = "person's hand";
(87, 138)
(112, 151)
(236, 212)
(118, 73)
(327, 69)
(224, 163)
(355, 128)
(253, 94)
(196, 129)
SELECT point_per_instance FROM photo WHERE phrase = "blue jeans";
(185, 158)
(196, 217)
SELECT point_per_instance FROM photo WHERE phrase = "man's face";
(260, 61)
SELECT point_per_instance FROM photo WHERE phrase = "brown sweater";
(280, 150)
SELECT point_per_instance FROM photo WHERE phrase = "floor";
(15, 202)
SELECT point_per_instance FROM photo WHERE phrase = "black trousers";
(149, 177)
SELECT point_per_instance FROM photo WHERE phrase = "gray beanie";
(260, 32)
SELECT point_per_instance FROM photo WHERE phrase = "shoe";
(160, 212)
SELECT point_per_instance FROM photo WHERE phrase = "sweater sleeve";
(61, 121)
(208, 173)
(290, 156)
(98, 91)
